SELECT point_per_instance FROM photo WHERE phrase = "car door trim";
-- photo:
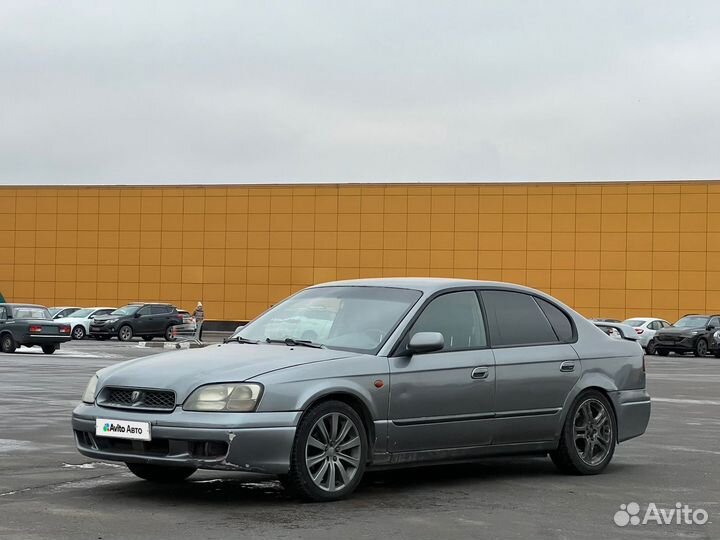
(470, 417)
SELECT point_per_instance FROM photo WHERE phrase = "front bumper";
(684, 345)
(252, 442)
(105, 330)
(632, 408)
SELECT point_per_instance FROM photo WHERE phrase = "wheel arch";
(596, 381)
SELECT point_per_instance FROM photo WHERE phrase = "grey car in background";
(409, 372)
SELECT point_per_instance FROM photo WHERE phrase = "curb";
(171, 345)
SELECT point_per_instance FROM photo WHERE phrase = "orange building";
(611, 250)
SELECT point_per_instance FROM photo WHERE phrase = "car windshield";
(634, 322)
(693, 321)
(126, 310)
(30, 312)
(347, 318)
(81, 313)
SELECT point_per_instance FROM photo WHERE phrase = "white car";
(646, 327)
(79, 320)
(62, 312)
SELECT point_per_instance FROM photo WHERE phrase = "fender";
(589, 379)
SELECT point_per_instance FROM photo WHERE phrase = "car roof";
(62, 307)
(9, 304)
(426, 284)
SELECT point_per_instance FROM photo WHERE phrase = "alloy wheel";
(78, 332)
(125, 333)
(332, 451)
(592, 431)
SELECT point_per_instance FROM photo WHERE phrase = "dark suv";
(145, 320)
(691, 334)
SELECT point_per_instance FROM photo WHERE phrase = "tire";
(650, 348)
(347, 455)
(159, 473)
(701, 348)
(7, 344)
(587, 443)
(662, 352)
(169, 334)
(78, 332)
(125, 333)
(148, 338)
(49, 349)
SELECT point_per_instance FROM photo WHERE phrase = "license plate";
(122, 429)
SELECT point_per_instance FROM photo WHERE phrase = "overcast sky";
(318, 91)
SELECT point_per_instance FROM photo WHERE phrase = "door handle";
(567, 366)
(480, 372)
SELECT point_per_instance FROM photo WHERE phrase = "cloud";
(320, 91)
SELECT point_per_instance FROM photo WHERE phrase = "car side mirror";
(137, 314)
(425, 342)
(710, 327)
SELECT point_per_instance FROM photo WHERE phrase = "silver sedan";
(407, 371)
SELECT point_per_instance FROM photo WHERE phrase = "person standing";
(199, 315)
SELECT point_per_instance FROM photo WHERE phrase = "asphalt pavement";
(49, 491)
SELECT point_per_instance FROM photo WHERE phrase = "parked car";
(412, 371)
(609, 330)
(646, 327)
(60, 312)
(80, 320)
(691, 334)
(145, 320)
(188, 320)
(27, 325)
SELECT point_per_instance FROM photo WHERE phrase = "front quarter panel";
(296, 388)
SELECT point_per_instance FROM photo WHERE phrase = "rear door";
(161, 316)
(535, 365)
(444, 399)
(144, 321)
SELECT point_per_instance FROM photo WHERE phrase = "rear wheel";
(125, 333)
(329, 454)
(159, 473)
(78, 332)
(7, 344)
(587, 443)
(49, 349)
(701, 348)
(169, 334)
(650, 347)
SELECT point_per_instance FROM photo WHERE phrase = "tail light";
(639, 330)
(36, 328)
(65, 329)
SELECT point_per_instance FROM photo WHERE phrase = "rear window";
(161, 310)
(25, 312)
(516, 319)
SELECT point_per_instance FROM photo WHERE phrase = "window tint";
(144, 311)
(559, 321)
(515, 319)
(457, 317)
(715, 321)
(160, 310)
(3, 314)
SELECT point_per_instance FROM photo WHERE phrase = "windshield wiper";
(240, 339)
(291, 342)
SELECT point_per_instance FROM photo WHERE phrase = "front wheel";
(701, 348)
(78, 332)
(125, 333)
(159, 473)
(650, 347)
(587, 443)
(329, 454)
(7, 344)
(49, 349)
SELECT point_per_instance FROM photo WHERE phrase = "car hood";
(183, 371)
(679, 331)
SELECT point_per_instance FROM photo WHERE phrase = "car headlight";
(111, 320)
(89, 393)
(229, 397)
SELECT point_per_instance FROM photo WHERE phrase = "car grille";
(137, 398)
(669, 339)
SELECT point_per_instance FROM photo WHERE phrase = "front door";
(144, 321)
(444, 399)
(536, 367)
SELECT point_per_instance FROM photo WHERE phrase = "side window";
(3, 313)
(516, 319)
(144, 311)
(159, 310)
(715, 321)
(558, 320)
(457, 317)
